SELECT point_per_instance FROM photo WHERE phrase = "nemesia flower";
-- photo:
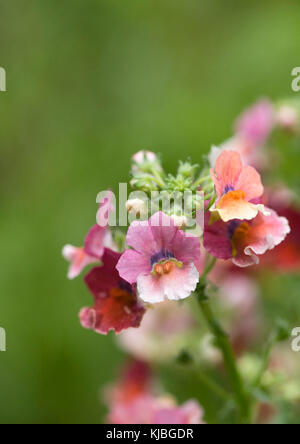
(252, 130)
(237, 186)
(256, 123)
(133, 400)
(116, 305)
(163, 261)
(80, 257)
(164, 332)
(245, 241)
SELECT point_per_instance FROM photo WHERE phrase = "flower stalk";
(222, 342)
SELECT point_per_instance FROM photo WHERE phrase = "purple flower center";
(227, 189)
(232, 226)
(125, 286)
(161, 256)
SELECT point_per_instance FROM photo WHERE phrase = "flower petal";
(179, 284)
(216, 239)
(234, 206)
(132, 264)
(265, 233)
(94, 241)
(228, 168)
(140, 237)
(249, 181)
(78, 260)
(187, 249)
(163, 230)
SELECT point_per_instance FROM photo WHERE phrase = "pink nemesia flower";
(189, 413)
(256, 123)
(237, 186)
(116, 304)
(244, 241)
(80, 257)
(252, 130)
(163, 261)
(133, 401)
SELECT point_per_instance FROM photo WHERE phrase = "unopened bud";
(137, 207)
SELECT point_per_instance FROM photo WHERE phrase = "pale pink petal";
(178, 284)
(193, 412)
(69, 252)
(78, 260)
(266, 233)
(150, 288)
(249, 181)
(132, 264)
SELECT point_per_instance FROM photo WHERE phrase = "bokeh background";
(88, 84)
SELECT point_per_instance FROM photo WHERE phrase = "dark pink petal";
(216, 239)
(116, 305)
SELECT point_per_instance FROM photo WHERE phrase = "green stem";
(213, 386)
(201, 180)
(214, 197)
(208, 269)
(265, 360)
(158, 178)
(225, 347)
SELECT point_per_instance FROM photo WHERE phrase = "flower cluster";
(134, 399)
(161, 259)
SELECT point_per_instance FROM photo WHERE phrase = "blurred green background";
(88, 84)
